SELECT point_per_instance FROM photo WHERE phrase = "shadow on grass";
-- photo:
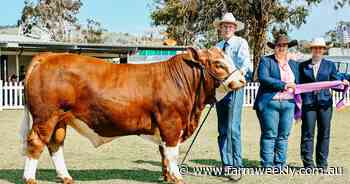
(208, 162)
(246, 163)
(141, 175)
(213, 162)
(154, 163)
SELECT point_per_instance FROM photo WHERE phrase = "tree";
(331, 36)
(56, 18)
(93, 32)
(191, 20)
(341, 3)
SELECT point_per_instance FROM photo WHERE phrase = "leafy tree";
(331, 36)
(54, 17)
(93, 32)
(190, 21)
(341, 3)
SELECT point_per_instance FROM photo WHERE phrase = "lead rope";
(195, 137)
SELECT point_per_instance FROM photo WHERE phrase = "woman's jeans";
(275, 122)
(323, 117)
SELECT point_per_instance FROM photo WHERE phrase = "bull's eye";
(218, 64)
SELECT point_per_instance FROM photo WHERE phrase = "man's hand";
(346, 82)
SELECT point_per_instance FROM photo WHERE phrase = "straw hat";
(229, 18)
(282, 39)
(317, 42)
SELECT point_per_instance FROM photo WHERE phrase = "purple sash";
(315, 86)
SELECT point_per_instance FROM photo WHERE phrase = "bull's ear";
(192, 54)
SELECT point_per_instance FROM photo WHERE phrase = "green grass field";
(134, 160)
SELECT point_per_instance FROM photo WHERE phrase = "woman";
(274, 103)
(317, 106)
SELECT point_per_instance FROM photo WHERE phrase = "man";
(229, 109)
(317, 106)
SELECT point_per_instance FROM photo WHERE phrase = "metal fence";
(12, 95)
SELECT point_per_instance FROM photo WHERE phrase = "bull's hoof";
(30, 181)
(167, 178)
(176, 181)
(180, 181)
(65, 180)
(68, 181)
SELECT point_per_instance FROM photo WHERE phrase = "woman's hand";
(290, 85)
(345, 82)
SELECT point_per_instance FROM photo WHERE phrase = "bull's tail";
(26, 126)
(27, 121)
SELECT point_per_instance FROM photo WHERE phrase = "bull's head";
(218, 65)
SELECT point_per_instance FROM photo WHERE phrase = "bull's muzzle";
(235, 81)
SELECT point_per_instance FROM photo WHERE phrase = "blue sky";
(133, 16)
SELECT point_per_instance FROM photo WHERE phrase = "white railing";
(252, 88)
(250, 91)
(11, 95)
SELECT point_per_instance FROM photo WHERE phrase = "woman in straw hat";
(229, 109)
(317, 106)
(274, 103)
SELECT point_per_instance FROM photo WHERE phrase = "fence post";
(1, 95)
(21, 94)
(16, 95)
(10, 94)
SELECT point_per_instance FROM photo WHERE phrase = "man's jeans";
(229, 111)
(275, 122)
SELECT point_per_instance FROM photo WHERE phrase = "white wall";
(339, 52)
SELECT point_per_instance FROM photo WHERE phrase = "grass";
(134, 160)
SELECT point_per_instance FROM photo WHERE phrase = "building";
(343, 32)
(16, 53)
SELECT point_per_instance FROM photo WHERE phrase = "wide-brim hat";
(282, 39)
(317, 42)
(229, 18)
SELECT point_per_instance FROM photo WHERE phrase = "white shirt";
(315, 67)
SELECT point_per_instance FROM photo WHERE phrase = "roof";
(15, 38)
(16, 42)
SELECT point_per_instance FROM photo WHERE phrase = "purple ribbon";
(316, 86)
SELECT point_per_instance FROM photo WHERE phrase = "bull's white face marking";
(87, 132)
(229, 63)
(58, 160)
(226, 60)
(172, 154)
(234, 77)
(30, 168)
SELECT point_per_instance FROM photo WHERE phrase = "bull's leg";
(35, 147)
(172, 153)
(56, 151)
(165, 164)
(37, 138)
